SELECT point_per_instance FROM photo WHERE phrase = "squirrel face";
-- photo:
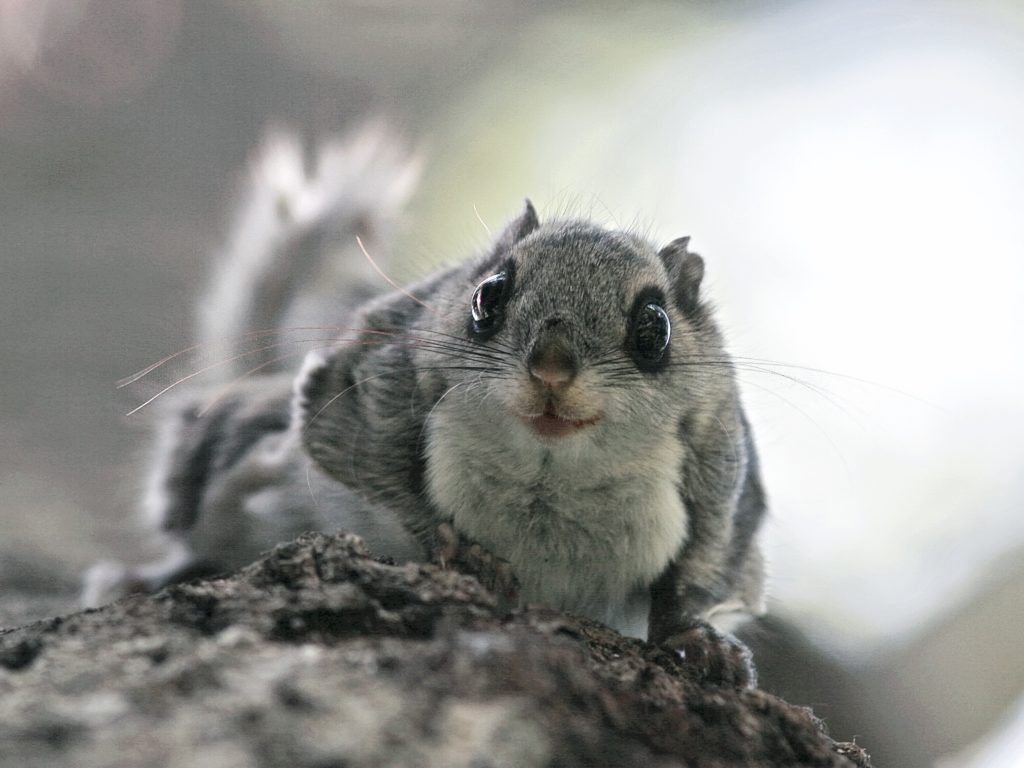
(579, 335)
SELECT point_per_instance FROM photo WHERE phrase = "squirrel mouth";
(550, 424)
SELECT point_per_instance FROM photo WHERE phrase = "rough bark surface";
(318, 656)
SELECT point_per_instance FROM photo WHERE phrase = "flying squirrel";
(557, 414)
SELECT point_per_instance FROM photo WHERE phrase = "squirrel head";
(568, 329)
(563, 339)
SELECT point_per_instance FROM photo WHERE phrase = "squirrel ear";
(686, 270)
(518, 228)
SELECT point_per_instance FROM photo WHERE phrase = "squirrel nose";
(551, 361)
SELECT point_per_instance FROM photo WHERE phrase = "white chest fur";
(586, 528)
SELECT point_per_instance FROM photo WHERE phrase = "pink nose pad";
(552, 376)
(552, 361)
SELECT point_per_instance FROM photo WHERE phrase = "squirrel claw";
(712, 656)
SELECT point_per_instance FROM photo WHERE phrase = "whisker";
(745, 366)
(334, 399)
(426, 418)
(763, 365)
(718, 365)
(848, 377)
(371, 378)
(482, 224)
(309, 484)
(731, 442)
(121, 383)
(439, 348)
(469, 350)
(240, 356)
(740, 359)
(201, 371)
(812, 420)
(466, 351)
(391, 282)
(252, 371)
(493, 345)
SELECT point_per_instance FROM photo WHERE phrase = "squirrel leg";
(705, 652)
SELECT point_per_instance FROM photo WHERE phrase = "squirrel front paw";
(457, 552)
(711, 656)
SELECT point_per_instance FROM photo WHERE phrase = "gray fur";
(646, 518)
(228, 479)
(431, 424)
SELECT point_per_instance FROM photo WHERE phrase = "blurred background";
(852, 172)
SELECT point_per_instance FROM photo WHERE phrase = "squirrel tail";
(291, 266)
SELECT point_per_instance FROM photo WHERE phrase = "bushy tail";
(291, 259)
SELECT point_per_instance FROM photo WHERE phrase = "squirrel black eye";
(650, 335)
(488, 305)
